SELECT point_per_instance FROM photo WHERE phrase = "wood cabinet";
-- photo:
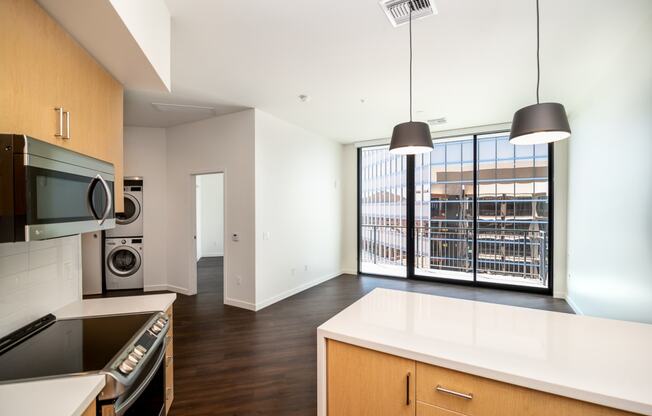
(169, 363)
(43, 68)
(366, 382)
(91, 410)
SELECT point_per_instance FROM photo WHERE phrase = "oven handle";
(125, 405)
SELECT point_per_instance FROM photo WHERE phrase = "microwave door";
(65, 199)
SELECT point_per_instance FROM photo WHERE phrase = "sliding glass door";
(481, 213)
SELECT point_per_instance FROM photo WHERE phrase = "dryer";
(130, 222)
(123, 263)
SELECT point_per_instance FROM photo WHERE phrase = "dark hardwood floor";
(230, 361)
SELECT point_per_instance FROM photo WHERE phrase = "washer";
(123, 263)
(130, 222)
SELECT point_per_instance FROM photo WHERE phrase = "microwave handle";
(109, 199)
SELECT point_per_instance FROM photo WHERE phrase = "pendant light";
(412, 137)
(540, 122)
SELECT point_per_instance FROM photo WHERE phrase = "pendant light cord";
(538, 63)
(410, 25)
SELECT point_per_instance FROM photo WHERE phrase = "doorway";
(209, 234)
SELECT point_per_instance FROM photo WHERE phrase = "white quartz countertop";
(57, 397)
(116, 306)
(603, 361)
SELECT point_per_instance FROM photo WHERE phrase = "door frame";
(192, 229)
(410, 222)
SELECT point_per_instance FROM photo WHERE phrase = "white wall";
(298, 209)
(145, 154)
(36, 278)
(210, 215)
(220, 144)
(610, 190)
(148, 21)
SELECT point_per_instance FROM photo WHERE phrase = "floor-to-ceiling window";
(481, 212)
(383, 209)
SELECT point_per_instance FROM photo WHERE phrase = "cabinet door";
(44, 68)
(365, 382)
(30, 72)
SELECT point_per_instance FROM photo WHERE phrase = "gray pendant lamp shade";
(412, 137)
(540, 122)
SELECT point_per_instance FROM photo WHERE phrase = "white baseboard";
(573, 306)
(170, 288)
(301, 288)
(240, 304)
(349, 271)
(212, 254)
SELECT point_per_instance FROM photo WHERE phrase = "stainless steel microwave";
(47, 191)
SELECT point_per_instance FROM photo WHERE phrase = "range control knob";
(137, 353)
(133, 359)
(161, 323)
(156, 329)
(125, 367)
(140, 349)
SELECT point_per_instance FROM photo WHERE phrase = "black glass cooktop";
(70, 347)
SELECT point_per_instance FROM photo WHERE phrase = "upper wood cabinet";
(365, 382)
(44, 68)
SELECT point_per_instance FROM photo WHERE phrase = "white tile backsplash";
(37, 278)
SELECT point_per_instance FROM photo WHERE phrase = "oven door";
(63, 199)
(146, 396)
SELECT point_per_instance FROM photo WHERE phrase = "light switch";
(266, 235)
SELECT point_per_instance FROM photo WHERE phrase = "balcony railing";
(517, 254)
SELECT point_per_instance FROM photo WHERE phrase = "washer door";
(123, 261)
(131, 212)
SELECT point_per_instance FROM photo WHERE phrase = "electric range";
(127, 349)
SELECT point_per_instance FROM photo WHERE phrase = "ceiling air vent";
(398, 11)
(437, 121)
(183, 108)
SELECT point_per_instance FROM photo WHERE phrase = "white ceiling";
(474, 62)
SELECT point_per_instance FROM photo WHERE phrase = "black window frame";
(410, 222)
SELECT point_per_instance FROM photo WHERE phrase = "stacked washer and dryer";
(123, 245)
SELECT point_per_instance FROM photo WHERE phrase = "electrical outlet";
(293, 271)
(305, 268)
(238, 280)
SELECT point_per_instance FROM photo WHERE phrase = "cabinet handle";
(59, 132)
(407, 390)
(168, 393)
(454, 393)
(67, 136)
(168, 361)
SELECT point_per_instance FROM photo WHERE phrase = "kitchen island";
(446, 356)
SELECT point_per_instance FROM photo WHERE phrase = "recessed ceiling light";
(437, 121)
(183, 108)
(304, 98)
